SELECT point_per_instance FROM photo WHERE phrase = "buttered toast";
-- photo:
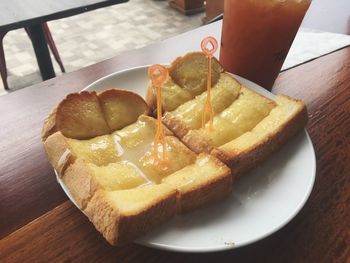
(101, 145)
(248, 127)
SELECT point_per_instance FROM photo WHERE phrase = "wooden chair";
(49, 41)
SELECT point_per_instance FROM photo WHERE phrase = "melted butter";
(223, 94)
(119, 175)
(134, 141)
(194, 174)
(135, 152)
(202, 161)
(178, 156)
(192, 179)
(240, 117)
(132, 146)
(276, 118)
(147, 181)
(137, 133)
(136, 145)
(100, 150)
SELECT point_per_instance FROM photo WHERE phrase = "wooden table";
(32, 13)
(37, 222)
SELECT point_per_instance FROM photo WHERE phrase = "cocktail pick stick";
(209, 45)
(159, 75)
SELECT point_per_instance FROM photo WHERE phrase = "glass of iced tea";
(257, 35)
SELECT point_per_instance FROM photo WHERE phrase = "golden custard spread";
(124, 159)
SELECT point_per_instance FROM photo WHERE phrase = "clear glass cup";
(257, 35)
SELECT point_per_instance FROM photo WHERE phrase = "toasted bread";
(248, 150)
(110, 171)
(122, 216)
(102, 146)
(248, 127)
(187, 80)
(86, 115)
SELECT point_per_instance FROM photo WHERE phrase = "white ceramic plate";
(262, 202)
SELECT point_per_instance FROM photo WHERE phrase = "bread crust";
(80, 182)
(135, 225)
(119, 227)
(72, 170)
(58, 152)
(104, 216)
(213, 190)
(49, 126)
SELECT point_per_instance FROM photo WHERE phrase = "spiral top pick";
(158, 75)
(209, 45)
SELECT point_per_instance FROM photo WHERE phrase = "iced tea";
(257, 35)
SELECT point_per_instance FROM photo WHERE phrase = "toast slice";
(110, 171)
(248, 127)
(86, 115)
(122, 216)
(187, 80)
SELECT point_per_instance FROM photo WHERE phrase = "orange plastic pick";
(209, 45)
(159, 75)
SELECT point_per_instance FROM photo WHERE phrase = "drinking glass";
(257, 35)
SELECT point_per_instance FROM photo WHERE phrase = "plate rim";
(217, 248)
(252, 241)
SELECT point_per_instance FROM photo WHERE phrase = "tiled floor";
(94, 36)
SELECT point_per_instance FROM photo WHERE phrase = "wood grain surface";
(38, 224)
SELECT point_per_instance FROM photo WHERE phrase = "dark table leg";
(41, 51)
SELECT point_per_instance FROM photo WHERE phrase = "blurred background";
(88, 38)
